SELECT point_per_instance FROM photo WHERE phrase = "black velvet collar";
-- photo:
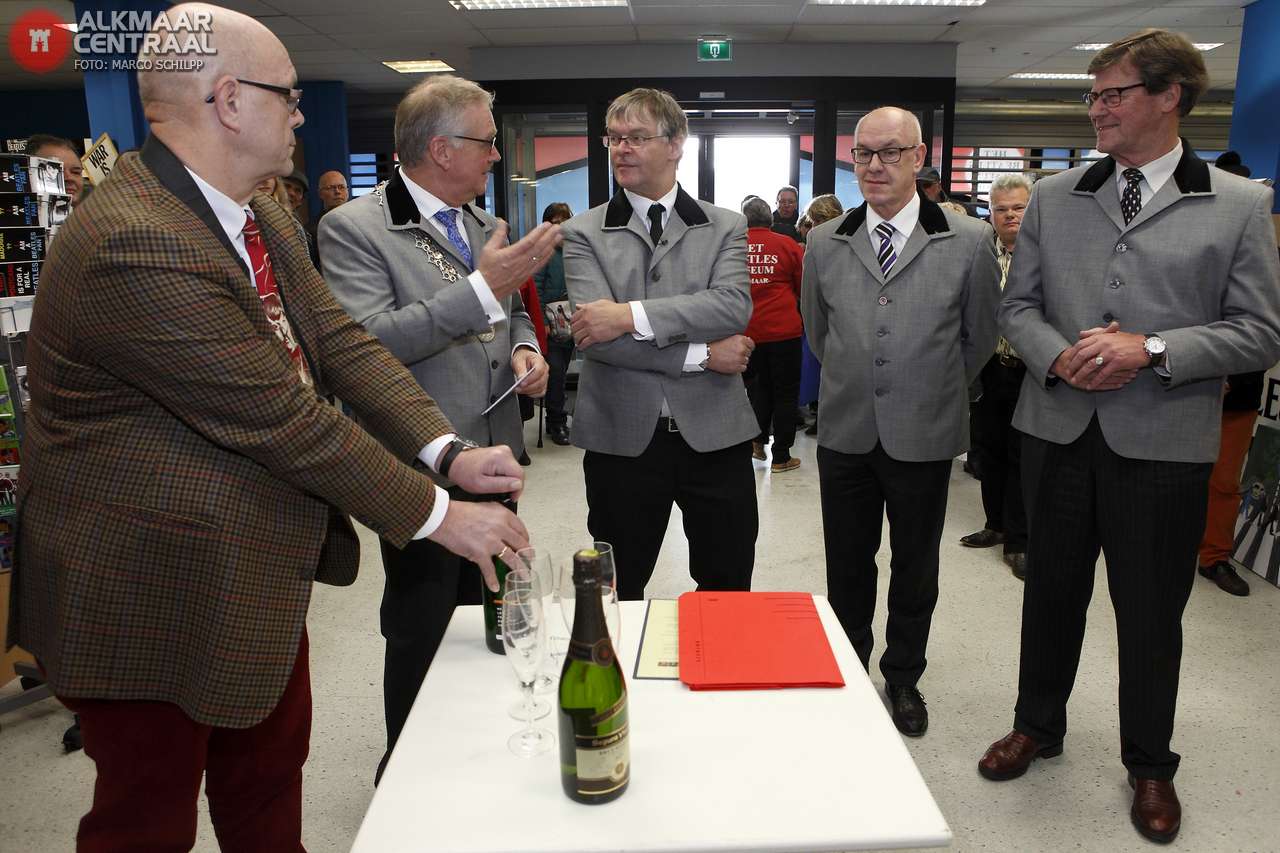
(404, 210)
(1190, 176)
(620, 211)
(932, 219)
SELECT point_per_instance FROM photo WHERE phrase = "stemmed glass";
(524, 637)
(608, 592)
(521, 579)
(544, 574)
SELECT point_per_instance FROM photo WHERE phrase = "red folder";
(754, 640)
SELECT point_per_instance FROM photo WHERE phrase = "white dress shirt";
(1154, 174)
(231, 216)
(640, 205)
(903, 222)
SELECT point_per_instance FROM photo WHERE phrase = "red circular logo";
(39, 41)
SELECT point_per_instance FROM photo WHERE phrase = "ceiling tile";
(835, 33)
(738, 32)
(716, 14)
(283, 25)
(603, 17)
(909, 15)
(561, 35)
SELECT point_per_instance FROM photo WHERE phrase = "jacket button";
(883, 300)
(662, 242)
(1108, 317)
(494, 364)
(879, 362)
(1122, 247)
(881, 332)
(880, 392)
(1115, 284)
(657, 276)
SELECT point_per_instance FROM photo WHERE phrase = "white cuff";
(429, 454)
(693, 359)
(436, 518)
(492, 310)
(643, 332)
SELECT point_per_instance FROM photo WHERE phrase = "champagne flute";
(609, 592)
(521, 579)
(524, 638)
(539, 564)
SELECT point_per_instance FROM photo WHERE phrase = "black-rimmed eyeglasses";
(1111, 97)
(292, 97)
(613, 141)
(491, 142)
(888, 156)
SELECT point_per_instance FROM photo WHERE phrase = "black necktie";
(1131, 199)
(655, 222)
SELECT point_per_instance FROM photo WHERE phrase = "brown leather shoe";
(1156, 812)
(1009, 757)
(757, 450)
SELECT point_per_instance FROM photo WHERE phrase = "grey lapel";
(916, 241)
(851, 230)
(1168, 194)
(620, 216)
(685, 214)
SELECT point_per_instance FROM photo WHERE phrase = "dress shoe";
(984, 538)
(1009, 757)
(790, 465)
(1224, 575)
(524, 458)
(757, 450)
(1017, 563)
(558, 434)
(812, 429)
(1156, 812)
(909, 713)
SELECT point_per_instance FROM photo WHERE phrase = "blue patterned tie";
(448, 217)
(886, 256)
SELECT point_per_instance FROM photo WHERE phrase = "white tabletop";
(761, 770)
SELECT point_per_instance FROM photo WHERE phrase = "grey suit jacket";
(898, 354)
(391, 273)
(1197, 266)
(694, 288)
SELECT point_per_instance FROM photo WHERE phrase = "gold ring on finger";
(503, 551)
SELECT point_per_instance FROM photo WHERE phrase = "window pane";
(687, 171)
(751, 165)
(546, 160)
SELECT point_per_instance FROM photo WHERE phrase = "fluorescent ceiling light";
(1040, 75)
(1206, 45)
(418, 66)
(897, 2)
(494, 5)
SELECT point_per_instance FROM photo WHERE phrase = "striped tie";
(886, 256)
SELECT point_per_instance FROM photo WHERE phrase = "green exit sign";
(713, 49)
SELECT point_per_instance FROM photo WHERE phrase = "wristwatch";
(1155, 348)
(703, 364)
(455, 447)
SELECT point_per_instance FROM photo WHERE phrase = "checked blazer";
(181, 488)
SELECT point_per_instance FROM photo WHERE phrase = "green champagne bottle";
(595, 751)
(493, 608)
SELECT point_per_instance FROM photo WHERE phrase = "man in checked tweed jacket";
(184, 482)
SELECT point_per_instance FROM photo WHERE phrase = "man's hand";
(731, 354)
(535, 384)
(487, 471)
(601, 321)
(505, 268)
(478, 531)
(1122, 354)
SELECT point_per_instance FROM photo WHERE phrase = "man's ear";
(440, 151)
(226, 101)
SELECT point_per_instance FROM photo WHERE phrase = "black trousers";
(424, 583)
(1000, 451)
(858, 489)
(559, 357)
(773, 386)
(1147, 518)
(629, 504)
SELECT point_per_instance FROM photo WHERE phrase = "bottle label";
(599, 653)
(604, 763)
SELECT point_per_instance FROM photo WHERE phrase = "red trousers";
(151, 757)
(1224, 487)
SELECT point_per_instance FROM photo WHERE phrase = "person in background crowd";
(1229, 161)
(775, 264)
(661, 290)
(929, 182)
(333, 190)
(297, 186)
(821, 209)
(430, 274)
(787, 214)
(999, 444)
(274, 187)
(64, 150)
(556, 310)
(899, 303)
(184, 484)
(803, 225)
(1139, 282)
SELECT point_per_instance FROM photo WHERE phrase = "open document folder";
(754, 640)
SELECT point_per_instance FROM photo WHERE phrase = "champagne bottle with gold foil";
(595, 751)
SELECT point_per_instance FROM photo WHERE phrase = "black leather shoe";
(1224, 575)
(1017, 564)
(909, 713)
(524, 458)
(984, 538)
(559, 435)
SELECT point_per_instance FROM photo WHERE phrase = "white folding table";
(760, 770)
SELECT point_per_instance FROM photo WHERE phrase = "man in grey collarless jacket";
(429, 274)
(1139, 284)
(660, 285)
(899, 300)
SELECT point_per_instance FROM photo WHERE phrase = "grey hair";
(433, 108)
(758, 213)
(1010, 181)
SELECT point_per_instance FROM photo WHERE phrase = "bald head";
(887, 155)
(243, 48)
(332, 189)
(894, 120)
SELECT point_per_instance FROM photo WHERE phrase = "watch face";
(466, 442)
(1154, 345)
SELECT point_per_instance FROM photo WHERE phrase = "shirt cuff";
(429, 454)
(528, 345)
(644, 331)
(492, 310)
(694, 356)
(436, 518)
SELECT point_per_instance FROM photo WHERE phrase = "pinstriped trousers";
(1146, 517)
